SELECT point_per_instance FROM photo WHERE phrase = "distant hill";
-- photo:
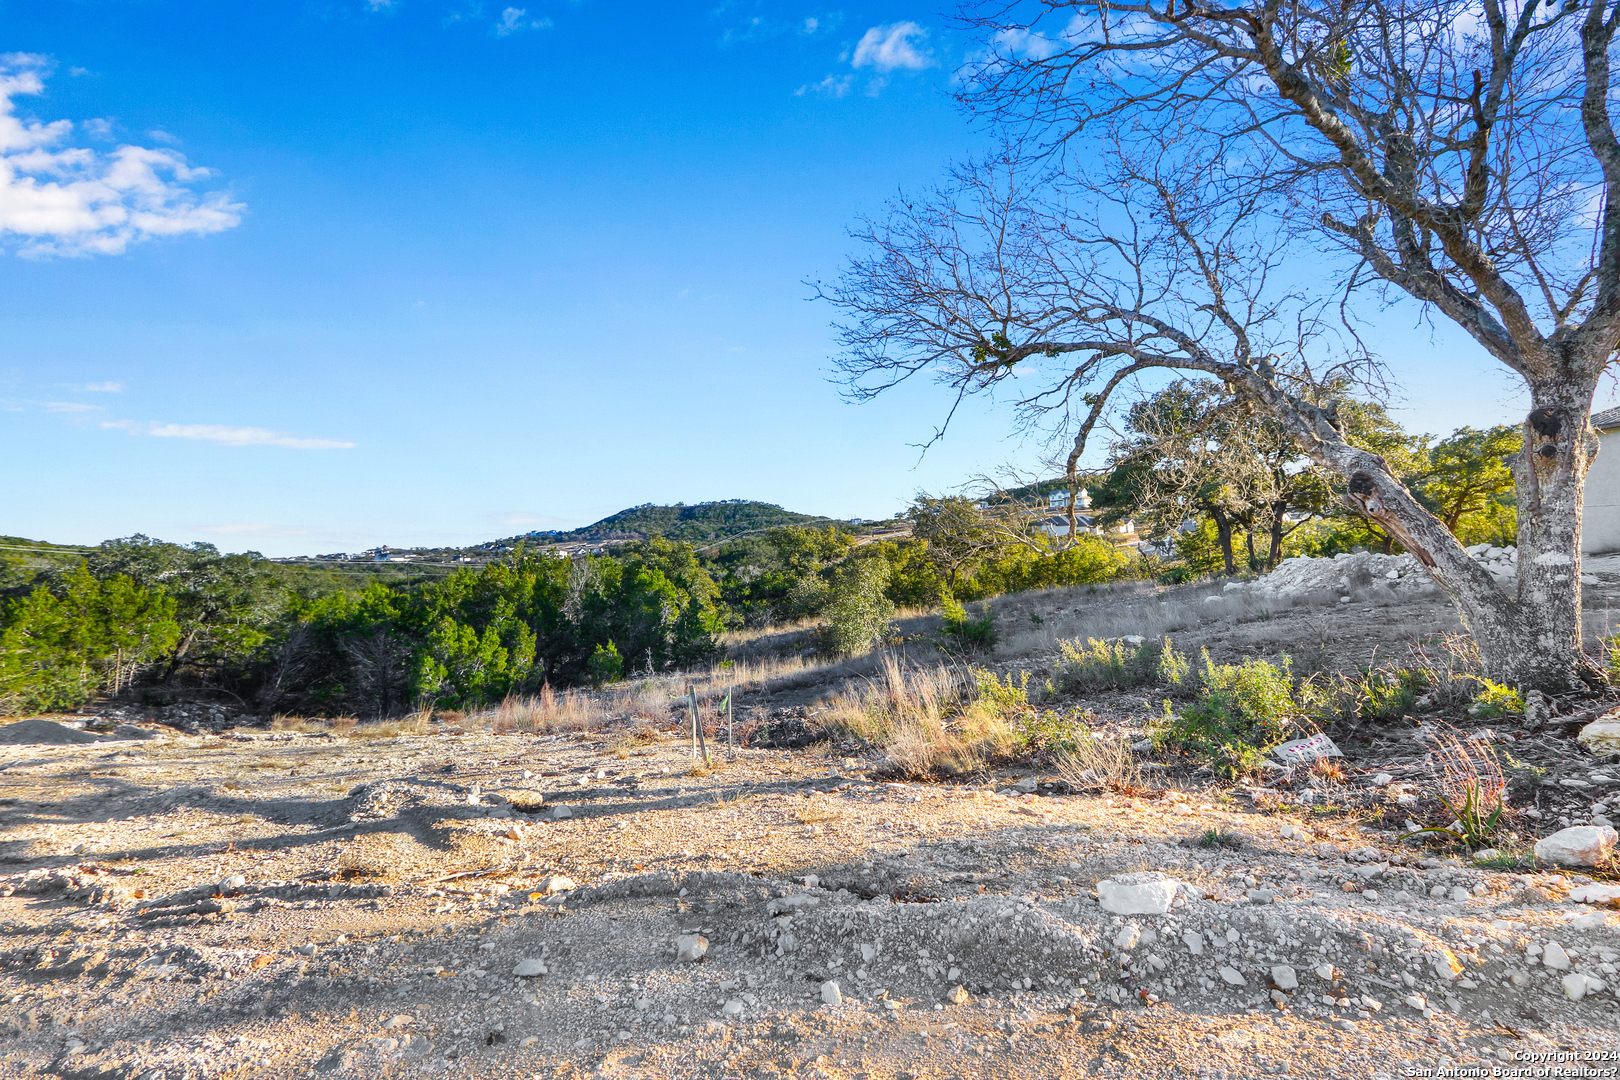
(702, 523)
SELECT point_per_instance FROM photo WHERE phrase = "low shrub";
(1116, 665)
(972, 634)
(1241, 711)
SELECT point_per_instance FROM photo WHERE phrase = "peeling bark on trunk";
(1529, 637)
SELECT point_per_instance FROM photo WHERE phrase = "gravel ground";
(271, 904)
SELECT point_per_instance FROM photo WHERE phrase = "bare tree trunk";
(1531, 637)
(1274, 556)
(1223, 532)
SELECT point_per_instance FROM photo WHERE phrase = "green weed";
(973, 634)
(1242, 711)
(1115, 665)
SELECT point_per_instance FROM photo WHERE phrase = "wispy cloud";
(379, 5)
(61, 199)
(103, 388)
(766, 25)
(224, 435)
(515, 19)
(893, 47)
(69, 407)
(833, 86)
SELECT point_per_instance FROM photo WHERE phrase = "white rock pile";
(1302, 575)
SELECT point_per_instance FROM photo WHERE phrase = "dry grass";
(1468, 770)
(928, 720)
(351, 728)
(547, 711)
(1097, 763)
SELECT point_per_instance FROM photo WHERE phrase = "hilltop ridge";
(700, 523)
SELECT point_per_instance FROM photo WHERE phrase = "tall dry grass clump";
(1097, 763)
(547, 711)
(928, 720)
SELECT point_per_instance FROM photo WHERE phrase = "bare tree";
(1433, 145)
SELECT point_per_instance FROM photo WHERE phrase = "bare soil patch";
(260, 903)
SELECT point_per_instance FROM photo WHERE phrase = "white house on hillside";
(1600, 523)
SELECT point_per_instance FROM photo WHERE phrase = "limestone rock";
(831, 994)
(556, 883)
(1144, 893)
(1128, 936)
(958, 995)
(1594, 894)
(528, 969)
(1232, 976)
(691, 947)
(1194, 941)
(1445, 964)
(1579, 845)
(1576, 986)
(1555, 957)
(1602, 736)
(1284, 978)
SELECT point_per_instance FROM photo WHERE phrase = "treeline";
(158, 620)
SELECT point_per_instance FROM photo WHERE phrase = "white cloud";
(379, 5)
(66, 200)
(98, 128)
(892, 47)
(103, 388)
(159, 135)
(69, 407)
(833, 86)
(810, 25)
(514, 19)
(223, 435)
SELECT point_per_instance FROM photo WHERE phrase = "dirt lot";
(257, 903)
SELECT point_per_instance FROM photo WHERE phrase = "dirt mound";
(44, 733)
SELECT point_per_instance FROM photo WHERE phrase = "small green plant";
(1242, 711)
(976, 635)
(1002, 691)
(1117, 665)
(605, 665)
(1174, 667)
(1389, 693)
(1219, 838)
(1495, 700)
(1523, 776)
(1470, 785)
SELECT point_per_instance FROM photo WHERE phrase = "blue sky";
(323, 274)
